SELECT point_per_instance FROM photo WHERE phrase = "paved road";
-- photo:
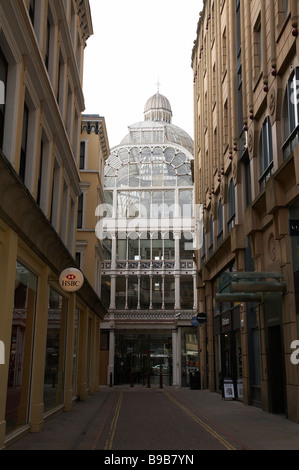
(168, 419)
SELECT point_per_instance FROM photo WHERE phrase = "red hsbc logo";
(71, 277)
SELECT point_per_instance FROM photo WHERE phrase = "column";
(163, 293)
(177, 304)
(8, 256)
(175, 355)
(195, 296)
(83, 354)
(68, 397)
(127, 291)
(138, 301)
(112, 292)
(151, 291)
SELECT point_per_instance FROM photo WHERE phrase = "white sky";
(135, 43)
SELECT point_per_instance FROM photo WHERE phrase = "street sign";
(201, 318)
(195, 322)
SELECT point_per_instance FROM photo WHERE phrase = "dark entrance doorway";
(276, 370)
(140, 355)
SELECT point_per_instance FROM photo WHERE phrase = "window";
(211, 246)
(220, 223)
(291, 114)
(55, 351)
(266, 153)
(82, 155)
(48, 34)
(186, 246)
(257, 48)
(3, 82)
(80, 211)
(32, 11)
(23, 156)
(21, 348)
(39, 182)
(232, 206)
(247, 178)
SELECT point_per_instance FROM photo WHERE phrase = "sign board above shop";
(71, 280)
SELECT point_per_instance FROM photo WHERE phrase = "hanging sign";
(71, 280)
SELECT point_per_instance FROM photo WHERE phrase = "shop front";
(228, 350)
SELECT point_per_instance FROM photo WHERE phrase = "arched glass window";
(291, 114)
(266, 153)
(232, 206)
(147, 167)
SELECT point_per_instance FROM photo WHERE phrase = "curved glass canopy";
(141, 167)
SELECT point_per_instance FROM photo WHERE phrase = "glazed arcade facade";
(148, 235)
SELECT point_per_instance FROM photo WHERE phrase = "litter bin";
(195, 380)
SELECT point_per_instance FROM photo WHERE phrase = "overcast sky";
(137, 43)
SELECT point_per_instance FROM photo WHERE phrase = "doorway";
(276, 370)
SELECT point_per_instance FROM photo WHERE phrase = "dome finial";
(158, 85)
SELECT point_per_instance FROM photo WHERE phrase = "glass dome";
(147, 166)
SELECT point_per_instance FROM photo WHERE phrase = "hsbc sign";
(71, 280)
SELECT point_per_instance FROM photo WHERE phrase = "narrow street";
(178, 421)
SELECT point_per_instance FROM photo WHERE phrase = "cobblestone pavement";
(169, 419)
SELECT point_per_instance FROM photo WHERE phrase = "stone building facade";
(246, 172)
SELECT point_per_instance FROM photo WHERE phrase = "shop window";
(266, 153)
(75, 351)
(21, 349)
(55, 351)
